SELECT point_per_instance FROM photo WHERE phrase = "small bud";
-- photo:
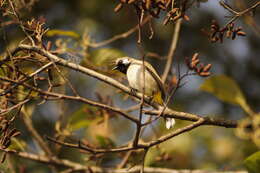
(195, 56)
(241, 33)
(118, 7)
(204, 74)
(131, 1)
(166, 20)
(186, 17)
(228, 34)
(194, 63)
(207, 68)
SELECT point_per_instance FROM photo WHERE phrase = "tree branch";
(168, 112)
(236, 14)
(79, 167)
(175, 38)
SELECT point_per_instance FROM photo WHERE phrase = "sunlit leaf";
(150, 156)
(104, 142)
(80, 118)
(28, 109)
(17, 144)
(105, 56)
(57, 32)
(252, 163)
(225, 89)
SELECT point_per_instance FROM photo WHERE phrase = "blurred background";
(207, 147)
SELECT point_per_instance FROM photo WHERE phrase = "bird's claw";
(133, 91)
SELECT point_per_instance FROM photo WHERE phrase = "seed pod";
(204, 74)
(186, 17)
(241, 33)
(207, 68)
(131, 1)
(228, 33)
(195, 56)
(166, 20)
(118, 7)
(14, 133)
(6, 143)
(214, 39)
(194, 63)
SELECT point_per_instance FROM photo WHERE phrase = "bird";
(152, 87)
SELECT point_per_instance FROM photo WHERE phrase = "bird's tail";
(158, 98)
(169, 122)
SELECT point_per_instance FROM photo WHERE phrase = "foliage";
(62, 105)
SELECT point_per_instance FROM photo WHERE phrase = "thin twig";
(5, 111)
(76, 98)
(175, 38)
(39, 70)
(176, 133)
(119, 36)
(29, 124)
(236, 14)
(95, 150)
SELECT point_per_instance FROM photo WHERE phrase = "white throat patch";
(125, 61)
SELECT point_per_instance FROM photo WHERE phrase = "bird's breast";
(136, 81)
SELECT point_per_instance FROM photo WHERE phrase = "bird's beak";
(115, 68)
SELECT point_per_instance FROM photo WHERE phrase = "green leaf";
(104, 142)
(17, 144)
(57, 32)
(252, 163)
(105, 56)
(79, 119)
(225, 89)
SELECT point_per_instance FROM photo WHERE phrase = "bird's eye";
(120, 62)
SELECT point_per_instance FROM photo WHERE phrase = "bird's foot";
(133, 91)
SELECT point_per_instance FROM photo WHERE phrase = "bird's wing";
(155, 75)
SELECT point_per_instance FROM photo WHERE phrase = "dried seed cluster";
(217, 33)
(36, 27)
(154, 7)
(199, 68)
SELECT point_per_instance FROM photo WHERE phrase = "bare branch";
(175, 38)
(236, 14)
(79, 167)
(120, 36)
(168, 112)
(77, 98)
